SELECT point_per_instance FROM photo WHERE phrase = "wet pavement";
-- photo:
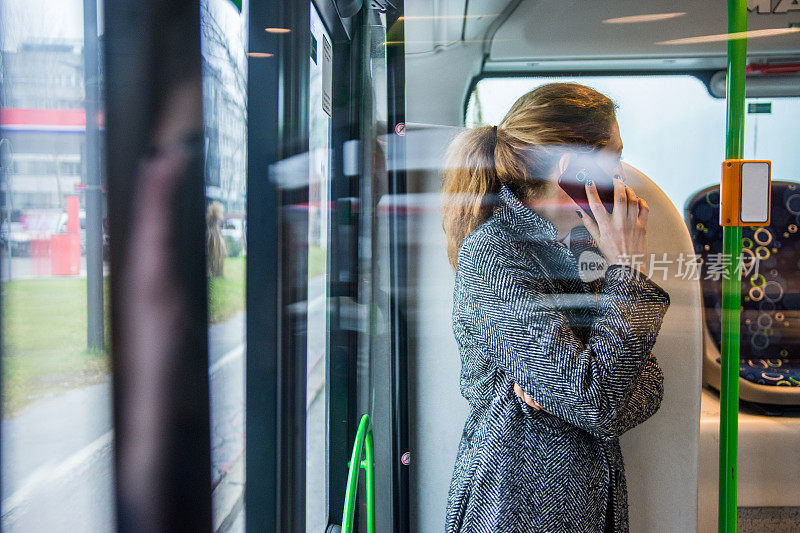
(57, 468)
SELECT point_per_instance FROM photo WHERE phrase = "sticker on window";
(327, 82)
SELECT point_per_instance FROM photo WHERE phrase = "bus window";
(319, 127)
(674, 129)
(57, 429)
(225, 141)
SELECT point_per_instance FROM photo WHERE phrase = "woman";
(554, 368)
(215, 245)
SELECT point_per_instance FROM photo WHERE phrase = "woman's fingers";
(633, 203)
(524, 395)
(620, 199)
(644, 211)
(589, 224)
(527, 398)
(598, 210)
(530, 402)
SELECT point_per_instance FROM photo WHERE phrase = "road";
(57, 468)
(57, 464)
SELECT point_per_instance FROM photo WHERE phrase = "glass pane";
(687, 115)
(318, 212)
(512, 298)
(374, 341)
(57, 432)
(225, 135)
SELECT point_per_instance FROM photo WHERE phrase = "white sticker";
(327, 81)
(591, 266)
(755, 192)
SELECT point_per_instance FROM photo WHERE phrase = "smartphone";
(580, 170)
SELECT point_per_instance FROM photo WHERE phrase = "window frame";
(278, 117)
(703, 75)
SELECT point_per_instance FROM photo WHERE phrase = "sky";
(62, 20)
(40, 20)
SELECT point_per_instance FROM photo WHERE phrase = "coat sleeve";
(645, 399)
(598, 386)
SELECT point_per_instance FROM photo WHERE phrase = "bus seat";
(661, 463)
(661, 454)
(769, 369)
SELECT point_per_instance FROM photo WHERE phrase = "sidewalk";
(58, 463)
(228, 500)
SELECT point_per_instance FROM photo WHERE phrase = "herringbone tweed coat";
(522, 314)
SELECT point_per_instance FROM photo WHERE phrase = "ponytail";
(469, 177)
(477, 162)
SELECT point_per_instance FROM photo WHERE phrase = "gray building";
(225, 137)
(43, 125)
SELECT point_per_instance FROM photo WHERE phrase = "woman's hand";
(622, 234)
(527, 399)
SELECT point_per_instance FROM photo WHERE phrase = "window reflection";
(225, 141)
(687, 117)
(57, 432)
(318, 211)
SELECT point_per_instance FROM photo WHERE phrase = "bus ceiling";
(450, 45)
(655, 34)
(559, 36)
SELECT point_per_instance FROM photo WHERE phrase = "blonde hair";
(520, 154)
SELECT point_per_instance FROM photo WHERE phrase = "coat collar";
(518, 216)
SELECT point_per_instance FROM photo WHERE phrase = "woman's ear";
(563, 163)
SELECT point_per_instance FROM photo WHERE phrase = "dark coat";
(521, 313)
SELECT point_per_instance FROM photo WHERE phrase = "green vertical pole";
(364, 442)
(732, 282)
(368, 464)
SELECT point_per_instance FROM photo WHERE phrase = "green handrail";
(732, 282)
(363, 442)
